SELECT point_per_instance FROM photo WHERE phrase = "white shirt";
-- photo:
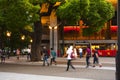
(69, 51)
(29, 50)
(80, 50)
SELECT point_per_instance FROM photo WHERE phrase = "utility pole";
(118, 53)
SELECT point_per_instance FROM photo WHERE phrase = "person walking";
(96, 58)
(45, 56)
(80, 52)
(69, 59)
(3, 56)
(18, 53)
(88, 55)
(75, 52)
(28, 54)
(53, 57)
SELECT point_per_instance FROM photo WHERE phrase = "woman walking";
(18, 53)
(88, 55)
(69, 59)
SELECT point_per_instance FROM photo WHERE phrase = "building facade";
(105, 40)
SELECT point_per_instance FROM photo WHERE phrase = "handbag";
(72, 55)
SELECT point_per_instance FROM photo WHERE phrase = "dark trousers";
(69, 64)
(28, 56)
(2, 59)
(88, 60)
(53, 60)
(95, 60)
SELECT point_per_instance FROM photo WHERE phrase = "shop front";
(107, 48)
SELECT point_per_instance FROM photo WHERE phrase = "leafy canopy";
(94, 13)
(73, 10)
(18, 13)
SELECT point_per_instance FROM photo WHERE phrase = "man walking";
(53, 56)
(88, 55)
(45, 56)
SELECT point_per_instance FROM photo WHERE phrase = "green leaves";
(94, 13)
(73, 10)
(18, 13)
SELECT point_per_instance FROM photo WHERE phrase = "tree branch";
(27, 33)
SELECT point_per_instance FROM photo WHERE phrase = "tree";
(16, 14)
(94, 13)
(24, 16)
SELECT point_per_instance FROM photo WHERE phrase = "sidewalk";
(108, 61)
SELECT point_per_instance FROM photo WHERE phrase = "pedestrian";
(45, 56)
(18, 53)
(28, 54)
(88, 55)
(8, 54)
(53, 57)
(14, 52)
(96, 58)
(75, 52)
(80, 52)
(3, 56)
(69, 59)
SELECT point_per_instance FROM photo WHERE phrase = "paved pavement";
(81, 73)
(18, 76)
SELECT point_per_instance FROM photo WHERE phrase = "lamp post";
(52, 28)
(22, 38)
(9, 47)
(8, 36)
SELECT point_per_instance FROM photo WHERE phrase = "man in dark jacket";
(45, 56)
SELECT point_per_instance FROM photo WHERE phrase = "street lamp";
(52, 28)
(23, 37)
(31, 40)
(8, 35)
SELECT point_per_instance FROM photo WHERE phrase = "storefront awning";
(71, 28)
(77, 28)
(114, 28)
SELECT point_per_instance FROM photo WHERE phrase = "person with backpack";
(88, 55)
(45, 56)
(53, 57)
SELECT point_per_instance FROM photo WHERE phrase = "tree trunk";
(36, 44)
(108, 33)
